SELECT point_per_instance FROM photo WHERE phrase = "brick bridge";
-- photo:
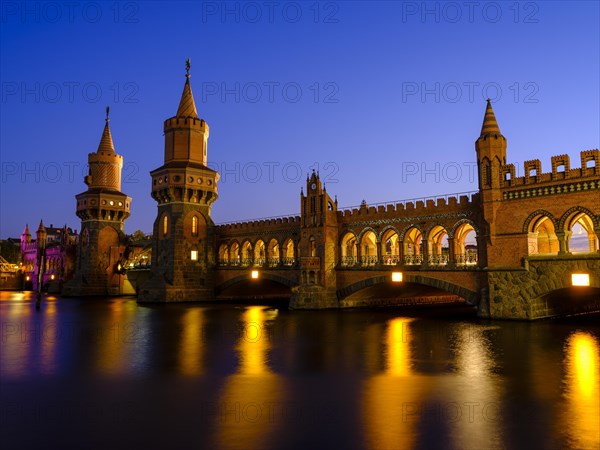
(518, 247)
(515, 248)
(511, 248)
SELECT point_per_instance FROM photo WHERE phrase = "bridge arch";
(247, 277)
(469, 296)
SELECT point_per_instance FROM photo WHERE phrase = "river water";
(109, 373)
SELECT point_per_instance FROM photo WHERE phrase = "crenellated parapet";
(407, 210)
(266, 225)
(560, 170)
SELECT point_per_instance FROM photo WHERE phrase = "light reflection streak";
(581, 390)
(389, 397)
(191, 350)
(250, 407)
(476, 391)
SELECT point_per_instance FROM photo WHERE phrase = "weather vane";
(187, 68)
(107, 112)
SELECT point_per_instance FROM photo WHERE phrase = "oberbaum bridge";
(412, 251)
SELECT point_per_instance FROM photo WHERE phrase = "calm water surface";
(108, 373)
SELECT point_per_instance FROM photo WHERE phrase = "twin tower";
(184, 188)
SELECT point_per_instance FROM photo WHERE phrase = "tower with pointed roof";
(317, 248)
(491, 156)
(103, 209)
(184, 188)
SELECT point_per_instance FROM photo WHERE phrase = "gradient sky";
(385, 99)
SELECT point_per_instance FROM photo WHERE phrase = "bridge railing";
(349, 261)
(390, 260)
(367, 261)
(273, 262)
(466, 259)
(413, 260)
(289, 261)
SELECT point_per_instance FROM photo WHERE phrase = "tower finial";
(106, 142)
(187, 107)
(490, 125)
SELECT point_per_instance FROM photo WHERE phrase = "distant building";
(59, 257)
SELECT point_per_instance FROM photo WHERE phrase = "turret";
(491, 150)
(103, 209)
(184, 188)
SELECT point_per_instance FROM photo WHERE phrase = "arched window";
(313, 246)
(165, 225)
(194, 226)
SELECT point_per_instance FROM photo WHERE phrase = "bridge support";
(313, 297)
(522, 293)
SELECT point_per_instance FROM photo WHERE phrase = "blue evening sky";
(386, 99)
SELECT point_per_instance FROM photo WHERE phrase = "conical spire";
(106, 142)
(41, 227)
(490, 125)
(26, 230)
(187, 107)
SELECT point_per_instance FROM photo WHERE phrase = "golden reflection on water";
(582, 363)
(191, 349)
(116, 339)
(391, 398)
(251, 406)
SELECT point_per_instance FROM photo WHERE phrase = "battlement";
(185, 122)
(259, 224)
(417, 206)
(561, 170)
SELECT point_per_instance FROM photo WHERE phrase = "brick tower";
(103, 209)
(184, 188)
(491, 157)
(317, 248)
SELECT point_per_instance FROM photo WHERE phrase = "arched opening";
(312, 277)
(368, 247)
(223, 255)
(288, 258)
(234, 254)
(413, 291)
(541, 238)
(438, 247)
(465, 245)
(348, 250)
(273, 253)
(194, 226)
(165, 226)
(390, 248)
(246, 254)
(582, 238)
(259, 253)
(412, 246)
(312, 246)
